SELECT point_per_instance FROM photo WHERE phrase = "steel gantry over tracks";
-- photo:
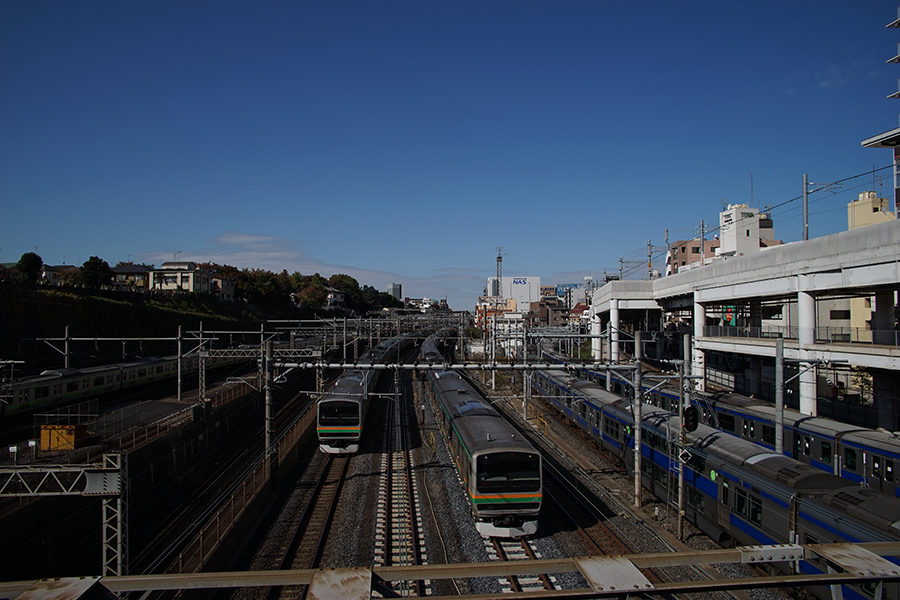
(106, 480)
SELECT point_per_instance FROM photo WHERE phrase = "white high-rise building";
(739, 230)
(521, 290)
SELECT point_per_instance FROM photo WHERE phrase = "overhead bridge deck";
(613, 576)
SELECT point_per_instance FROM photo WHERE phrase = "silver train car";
(58, 387)
(341, 413)
(735, 491)
(502, 473)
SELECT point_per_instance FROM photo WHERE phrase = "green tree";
(95, 272)
(29, 267)
(353, 294)
(71, 277)
(312, 296)
(375, 300)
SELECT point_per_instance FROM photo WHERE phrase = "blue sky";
(405, 141)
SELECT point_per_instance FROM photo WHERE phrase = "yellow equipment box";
(62, 437)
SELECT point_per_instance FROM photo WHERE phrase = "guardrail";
(826, 335)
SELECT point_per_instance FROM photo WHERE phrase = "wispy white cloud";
(835, 76)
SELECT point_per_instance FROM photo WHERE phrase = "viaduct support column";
(885, 384)
(806, 315)
(699, 363)
(596, 343)
(614, 330)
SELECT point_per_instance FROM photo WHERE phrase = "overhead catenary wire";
(771, 211)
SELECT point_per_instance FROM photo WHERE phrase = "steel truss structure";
(107, 480)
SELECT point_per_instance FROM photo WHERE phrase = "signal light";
(691, 418)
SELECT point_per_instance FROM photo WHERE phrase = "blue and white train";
(737, 492)
(865, 456)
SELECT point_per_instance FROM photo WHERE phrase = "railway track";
(305, 545)
(509, 549)
(595, 512)
(180, 507)
(399, 539)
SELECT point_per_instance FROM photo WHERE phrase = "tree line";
(251, 285)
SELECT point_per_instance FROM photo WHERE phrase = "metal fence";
(826, 335)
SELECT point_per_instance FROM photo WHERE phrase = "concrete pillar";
(883, 318)
(885, 392)
(596, 343)
(614, 333)
(806, 316)
(698, 367)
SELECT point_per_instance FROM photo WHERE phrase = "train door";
(881, 474)
(724, 510)
(748, 429)
(852, 465)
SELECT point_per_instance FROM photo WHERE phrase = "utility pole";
(271, 456)
(779, 395)
(682, 400)
(805, 207)
(822, 186)
(636, 411)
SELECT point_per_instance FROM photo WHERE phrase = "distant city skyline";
(403, 142)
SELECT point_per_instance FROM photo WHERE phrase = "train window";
(826, 452)
(142, 373)
(661, 476)
(697, 463)
(98, 381)
(72, 386)
(42, 392)
(339, 413)
(889, 470)
(797, 443)
(582, 409)
(807, 443)
(611, 428)
(740, 502)
(159, 369)
(748, 428)
(509, 472)
(876, 466)
(695, 499)
(752, 429)
(768, 434)
(726, 422)
(725, 493)
(850, 459)
(755, 510)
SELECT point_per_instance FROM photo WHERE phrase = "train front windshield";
(339, 413)
(509, 472)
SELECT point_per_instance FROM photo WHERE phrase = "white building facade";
(522, 290)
